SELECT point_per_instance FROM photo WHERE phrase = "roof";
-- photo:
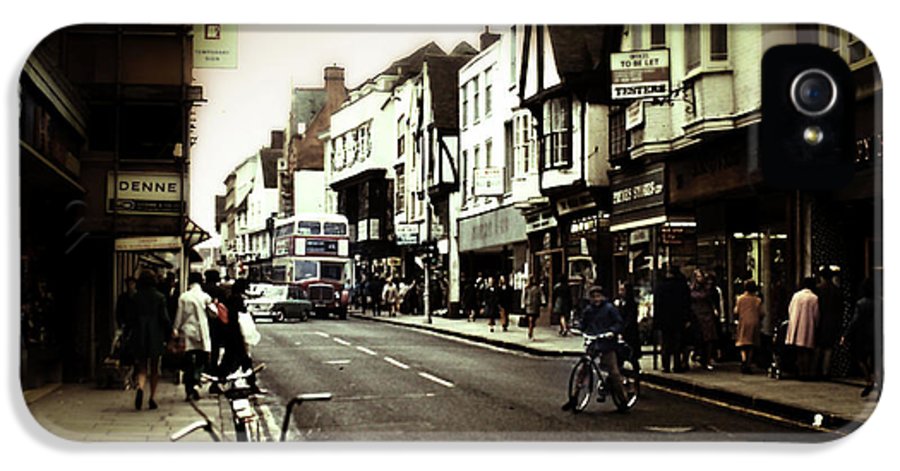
(465, 49)
(305, 104)
(269, 164)
(443, 79)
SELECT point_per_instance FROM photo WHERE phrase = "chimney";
(277, 139)
(487, 38)
(335, 91)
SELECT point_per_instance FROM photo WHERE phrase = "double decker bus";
(312, 252)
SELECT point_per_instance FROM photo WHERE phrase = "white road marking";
(298, 343)
(337, 362)
(396, 363)
(366, 350)
(322, 334)
(341, 341)
(442, 382)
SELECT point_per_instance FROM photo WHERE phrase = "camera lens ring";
(800, 79)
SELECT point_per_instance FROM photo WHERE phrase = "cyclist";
(600, 318)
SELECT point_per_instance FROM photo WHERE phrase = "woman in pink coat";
(749, 313)
(803, 317)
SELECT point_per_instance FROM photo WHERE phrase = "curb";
(814, 418)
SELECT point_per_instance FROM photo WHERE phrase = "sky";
(246, 103)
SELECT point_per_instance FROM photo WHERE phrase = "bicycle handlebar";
(298, 400)
(605, 335)
(234, 376)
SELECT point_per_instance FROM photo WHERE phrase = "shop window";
(657, 36)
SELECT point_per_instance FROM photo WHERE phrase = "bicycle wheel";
(632, 387)
(581, 384)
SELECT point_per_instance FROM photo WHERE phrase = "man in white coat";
(803, 318)
(192, 325)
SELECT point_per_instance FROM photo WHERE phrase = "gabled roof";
(443, 79)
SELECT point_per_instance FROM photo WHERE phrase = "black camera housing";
(794, 80)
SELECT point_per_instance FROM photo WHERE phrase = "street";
(393, 383)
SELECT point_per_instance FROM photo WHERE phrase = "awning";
(193, 233)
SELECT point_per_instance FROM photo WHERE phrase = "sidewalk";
(85, 413)
(829, 404)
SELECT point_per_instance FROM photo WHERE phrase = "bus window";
(284, 230)
(305, 269)
(309, 228)
(279, 274)
(335, 228)
(332, 271)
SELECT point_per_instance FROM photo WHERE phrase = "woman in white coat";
(192, 325)
(803, 318)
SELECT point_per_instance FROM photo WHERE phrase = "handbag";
(248, 328)
(175, 346)
(222, 312)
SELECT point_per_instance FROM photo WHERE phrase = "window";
(556, 136)
(512, 55)
(400, 198)
(508, 155)
(618, 137)
(335, 228)
(808, 34)
(636, 41)
(305, 269)
(657, 36)
(401, 136)
(476, 164)
(488, 81)
(691, 47)
(488, 150)
(309, 228)
(718, 42)
(332, 271)
(833, 38)
(464, 172)
(475, 100)
(858, 50)
(464, 112)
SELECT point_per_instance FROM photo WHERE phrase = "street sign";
(640, 74)
(407, 234)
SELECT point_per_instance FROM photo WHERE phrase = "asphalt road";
(394, 383)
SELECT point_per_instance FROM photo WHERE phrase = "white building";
(498, 166)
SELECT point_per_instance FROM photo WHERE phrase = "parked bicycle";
(590, 376)
(243, 400)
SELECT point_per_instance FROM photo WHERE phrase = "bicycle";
(589, 375)
(242, 399)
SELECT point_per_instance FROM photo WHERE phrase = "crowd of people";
(200, 326)
(391, 295)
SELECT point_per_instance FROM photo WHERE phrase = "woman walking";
(192, 325)
(531, 300)
(491, 302)
(749, 313)
(149, 334)
(860, 333)
(703, 313)
(504, 301)
(562, 303)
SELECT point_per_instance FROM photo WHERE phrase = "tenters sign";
(640, 74)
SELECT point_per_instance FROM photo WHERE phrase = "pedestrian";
(236, 353)
(125, 322)
(803, 320)
(562, 303)
(213, 288)
(531, 301)
(192, 325)
(491, 300)
(150, 332)
(626, 304)
(364, 293)
(375, 288)
(703, 320)
(504, 302)
(389, 295)
(860, 334)
(671, 316)
(749, 312)
(831, 313)
(469, 303)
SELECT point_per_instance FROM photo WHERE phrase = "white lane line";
(366, 350)
(322, 334)
(298, 343)
(341, 341)
(396, 363)
(337, 362)
(442, 382)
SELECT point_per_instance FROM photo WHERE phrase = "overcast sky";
(246, 103)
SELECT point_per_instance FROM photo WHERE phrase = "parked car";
(277, 302)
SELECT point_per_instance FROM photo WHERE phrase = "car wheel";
(279, 316)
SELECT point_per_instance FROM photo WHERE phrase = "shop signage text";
(144, 193)
(640, 74)
(489, 181)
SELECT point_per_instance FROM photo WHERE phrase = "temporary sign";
(489, 181)
(640, 74)
(215, 46)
